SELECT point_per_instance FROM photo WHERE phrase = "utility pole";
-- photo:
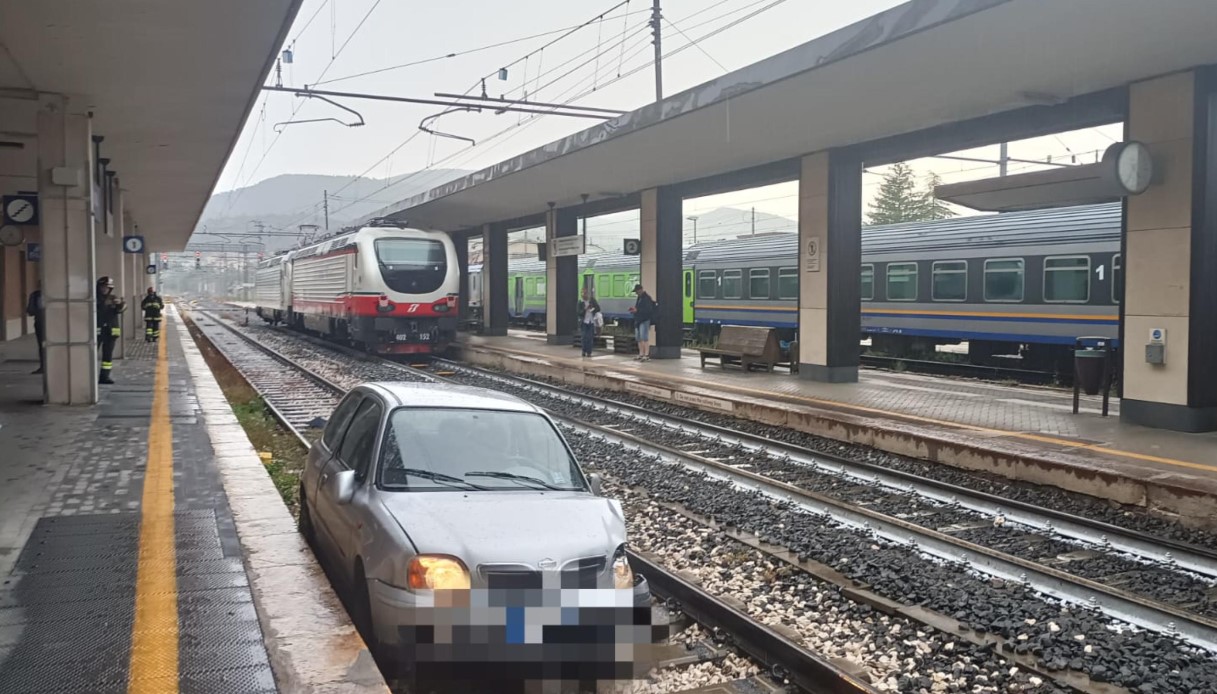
(326, 205)
(693, 218)
(754, 221)
(1004, 159)
(656, 31)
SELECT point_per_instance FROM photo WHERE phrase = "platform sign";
(633, 246)
(33, 252)
(150, 270)
(568, 245)
(811, 254)
(133, 244)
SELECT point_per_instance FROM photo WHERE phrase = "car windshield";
(447, 449)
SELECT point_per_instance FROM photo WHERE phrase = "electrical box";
(65, 176)
(1155, 350)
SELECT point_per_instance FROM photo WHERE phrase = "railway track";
(726, 456)
(712, 646)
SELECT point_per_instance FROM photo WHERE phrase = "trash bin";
(1088, 369)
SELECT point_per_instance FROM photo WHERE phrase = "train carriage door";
(519, 296)
(688, 304)
(589, 284)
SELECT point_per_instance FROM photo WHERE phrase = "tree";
(931, 207)
(899, 200)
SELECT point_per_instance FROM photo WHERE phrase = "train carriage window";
(950, 280)
(1067, 279)
(1004, 280)
(619, 285)
(530, 287)
(688, 284)
(733, 284)
(758, 284)
(604, 286)
(868, 282)
(1117, 279)
(902, 282)
(540, 287)
(707, 284)
(788, 283)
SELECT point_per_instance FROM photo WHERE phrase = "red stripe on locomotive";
(371, 305)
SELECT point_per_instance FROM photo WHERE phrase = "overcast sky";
(330, 45)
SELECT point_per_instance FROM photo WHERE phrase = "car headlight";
(623, 574)
(437, 572)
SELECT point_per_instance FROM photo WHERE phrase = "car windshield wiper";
(439, 477)
(521, 478)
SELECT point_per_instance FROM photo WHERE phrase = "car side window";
(356, 451)
(339, 420)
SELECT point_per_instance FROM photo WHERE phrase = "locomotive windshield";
(412, 266)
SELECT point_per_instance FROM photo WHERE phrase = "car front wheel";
(305, 522)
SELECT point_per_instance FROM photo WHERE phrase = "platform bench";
(746, 346)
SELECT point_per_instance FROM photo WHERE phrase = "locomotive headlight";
(623, 574)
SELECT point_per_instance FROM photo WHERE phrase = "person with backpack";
(644, 312)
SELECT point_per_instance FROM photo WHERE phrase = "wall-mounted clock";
(11, 235)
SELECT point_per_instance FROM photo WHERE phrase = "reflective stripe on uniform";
(116, 331)
(106, 366)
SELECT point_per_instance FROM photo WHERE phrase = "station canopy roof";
(919, 65)
(170, 84)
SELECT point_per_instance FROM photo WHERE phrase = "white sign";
(1157, 336)
(567, 245)
(811, 250)
(133, 244)
(705, 402)
(649, 391)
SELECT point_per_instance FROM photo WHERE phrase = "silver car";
(454, 515)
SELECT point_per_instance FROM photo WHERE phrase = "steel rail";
(1151, 548)
(947, 368)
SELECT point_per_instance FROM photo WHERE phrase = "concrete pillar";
(494, 280)
(561, 279)
(1171, 256)
(12, 304)
(65, 193)
(662, 265)
(461, 242)
(830, 260)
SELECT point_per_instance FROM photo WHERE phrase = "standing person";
(589, 308)
(644, 311)
(34, 307)
(109, 326)
(152, 306)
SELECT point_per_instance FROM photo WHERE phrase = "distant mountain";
(283, 203)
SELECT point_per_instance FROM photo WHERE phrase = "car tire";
(305, 522)
(362, 608)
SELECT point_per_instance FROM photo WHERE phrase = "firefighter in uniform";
(109, 327)
(152, 306)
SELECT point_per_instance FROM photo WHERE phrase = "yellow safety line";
(1099, 448)
(154, 636)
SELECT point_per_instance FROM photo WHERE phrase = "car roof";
(415, 394)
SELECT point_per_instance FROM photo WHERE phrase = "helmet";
(105, 280)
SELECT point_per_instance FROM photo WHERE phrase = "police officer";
(109, 327)
(152, 306)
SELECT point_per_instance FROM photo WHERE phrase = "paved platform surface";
(1028, 420)
(121, 566)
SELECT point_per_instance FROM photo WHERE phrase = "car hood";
(509, 527)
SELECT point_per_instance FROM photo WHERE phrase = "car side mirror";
(595, 481)
(342, 486)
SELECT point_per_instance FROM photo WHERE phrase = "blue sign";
(150, 270)
(133, 244)
(33, 252)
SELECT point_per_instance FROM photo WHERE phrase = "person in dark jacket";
(644, 312)
(152, 306)
(34, 307)
(109, 325)
(589, 309)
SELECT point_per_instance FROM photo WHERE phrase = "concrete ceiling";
(170, 84)
(919, 65)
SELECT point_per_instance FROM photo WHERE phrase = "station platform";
(144, 548)
(1023, 433)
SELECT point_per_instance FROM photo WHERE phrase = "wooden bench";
(746, 346)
